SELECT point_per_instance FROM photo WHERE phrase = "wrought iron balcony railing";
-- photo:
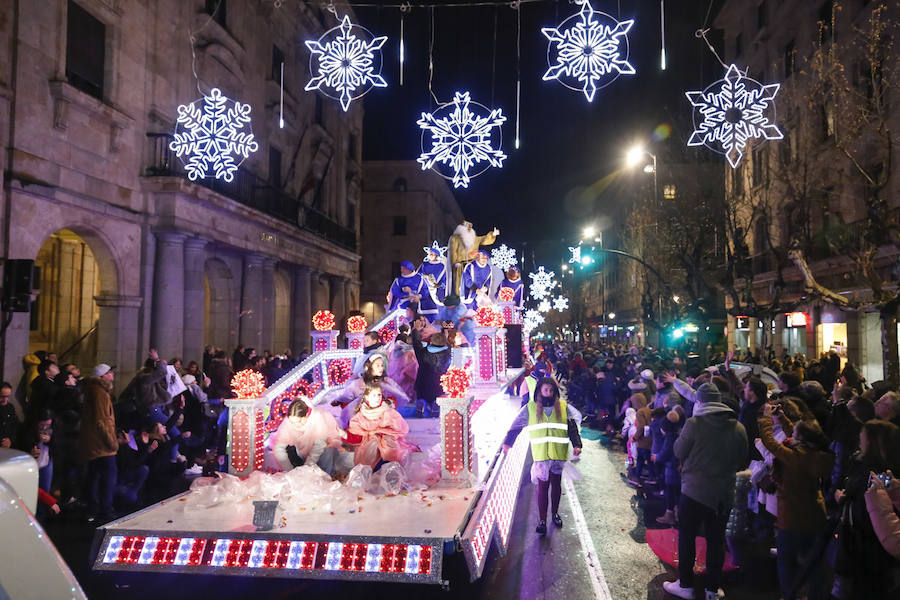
(254, 192)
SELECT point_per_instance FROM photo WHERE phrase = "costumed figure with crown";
(463, 247)
(406, 289)
(434, 273)
(513, 280)
(477, 278)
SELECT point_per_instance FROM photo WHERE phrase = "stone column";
(167, 329)
(752, 323)
(301, 310)
(812, 332)
(268, 306)
(319, 296)
(251, 303)
(778, 342)
(338, 296)
(855, 337)
(323, 298)
(194, 309)
(117, 336)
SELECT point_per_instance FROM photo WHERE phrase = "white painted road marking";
(595, 572)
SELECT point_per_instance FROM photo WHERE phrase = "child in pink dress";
(379, 430)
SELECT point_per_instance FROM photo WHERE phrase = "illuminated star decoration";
(503, 257)
(576, 254)
(532, 319)
(541, 283)
(591, 48)
(210, 131)
(441, 251)
(560, 303)
(462, 139)
(346, 67)
(544, 306)
(733, 111)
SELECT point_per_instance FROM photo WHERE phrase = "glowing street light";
(589, 231)
(612, 315)
(634, 156)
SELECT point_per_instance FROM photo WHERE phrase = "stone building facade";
(131, 254)
(804, 189)
(404, 210)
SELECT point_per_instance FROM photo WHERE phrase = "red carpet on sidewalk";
(664, 543)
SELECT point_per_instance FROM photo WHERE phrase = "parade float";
(457, 495)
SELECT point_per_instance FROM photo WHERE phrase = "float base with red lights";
(357, 535)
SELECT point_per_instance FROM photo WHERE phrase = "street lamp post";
(634, 156)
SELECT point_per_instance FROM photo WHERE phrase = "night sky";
(569, 169)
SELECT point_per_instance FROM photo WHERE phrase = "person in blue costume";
(434, 274)
(476, 276)
(455, 314)
(406, 289)
(513, 280)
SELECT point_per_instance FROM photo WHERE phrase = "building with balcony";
(404, 210)
(827, 192)
(131, 254)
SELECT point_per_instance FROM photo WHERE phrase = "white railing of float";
(319, 360)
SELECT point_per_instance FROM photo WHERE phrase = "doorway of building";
(64, 316)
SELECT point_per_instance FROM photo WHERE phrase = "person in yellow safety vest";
(551, 424)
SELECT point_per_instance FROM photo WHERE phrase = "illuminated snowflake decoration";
(532, 319)
(503, 257)
(561, 303)
(589, 47)
(544, 305)
(210, 134)
(441, 251)
(346, 67)
(541, 283)
(576, 254)
(733, 111)
(462, 139)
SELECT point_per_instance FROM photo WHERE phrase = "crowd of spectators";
(812, 475)
(100, 453)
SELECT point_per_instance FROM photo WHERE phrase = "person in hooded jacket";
(671, 429)
(434, 360)
(712, 447)
(802, 463)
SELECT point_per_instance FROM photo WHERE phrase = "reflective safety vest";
(550, 436)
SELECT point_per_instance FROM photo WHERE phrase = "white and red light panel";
(492, 518)
(285, 557)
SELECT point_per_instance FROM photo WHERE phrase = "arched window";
(400, 184)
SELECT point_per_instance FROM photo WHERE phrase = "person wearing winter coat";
(149, 390)
(642, 438)
(9, 420)
(97, 444)
(434, 360)
(712, 447)
(801, 465)
(671, 429)
(863, 568)
(883, 504)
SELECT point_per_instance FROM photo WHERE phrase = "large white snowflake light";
(344, 66)
(733, 111)
(588, 48)
(541, 283)
(503, 257)
(532, 319)
(544, 305)
(210, 132)
(441, 251)
(462, 139)
(561, 303)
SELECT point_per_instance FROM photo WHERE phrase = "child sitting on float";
(378, 430)
(373, 369)
(309, 436)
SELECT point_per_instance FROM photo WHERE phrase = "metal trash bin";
(264, 514)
